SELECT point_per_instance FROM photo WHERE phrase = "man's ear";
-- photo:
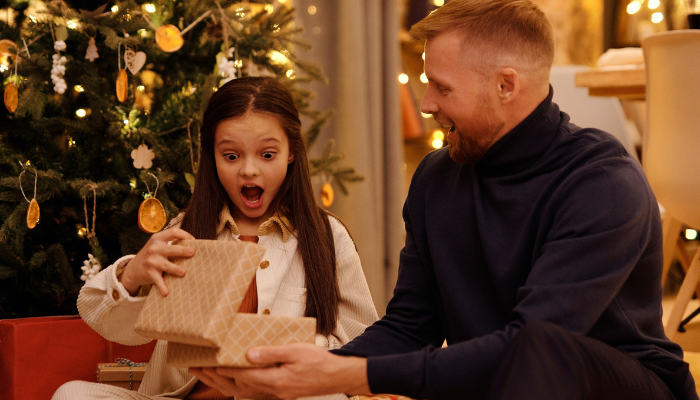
(291, 158)
(508, 81)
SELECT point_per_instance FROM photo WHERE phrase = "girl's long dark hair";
(295, 199)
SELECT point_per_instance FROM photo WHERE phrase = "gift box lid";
(199, 308)
(110, 372)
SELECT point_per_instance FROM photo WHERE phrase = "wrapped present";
(123, 373)
(199, 316)
(37, 355)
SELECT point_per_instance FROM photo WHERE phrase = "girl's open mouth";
(252, 195)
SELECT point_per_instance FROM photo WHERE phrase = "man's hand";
(301, 370)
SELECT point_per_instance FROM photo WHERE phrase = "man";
(533, 246)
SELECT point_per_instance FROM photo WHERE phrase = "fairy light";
(115, 9)
(143, 32)
(32, 18)
(275, 28)
(126, 122)
(423, 78)
(238, 63)
(437, 143)
(423, 56)
(312, 10)
(151, 8)
(240, 12)
(290, 74)
(141, 88)
(633, 7)
(653, 4)
(71, 142)
(691, 234)
(72, 24)
(3, 67)
(277, 58)
(657, 17)
(403, 78)
(424, 115)
(439, 3)
(438, 134)
(132, 183)
(82, 231)
(269, 8)
(80, 112)
(78, 88)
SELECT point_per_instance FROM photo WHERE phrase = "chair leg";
(684, 295)
(671, 230)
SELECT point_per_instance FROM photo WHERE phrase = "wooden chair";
(671, 146)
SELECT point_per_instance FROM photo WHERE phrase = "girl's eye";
(231, 156)
(269, 155)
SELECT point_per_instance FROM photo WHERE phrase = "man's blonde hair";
(508, 31)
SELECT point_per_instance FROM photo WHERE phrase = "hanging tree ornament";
(143, 157)
(122, 79)
(11, 95)
(91, 53)
(59, 69)
(33, 211)
(327, 195)
(134, 61)
(168, 37)
(151, 212)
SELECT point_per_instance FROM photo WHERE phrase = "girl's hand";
(153, 260)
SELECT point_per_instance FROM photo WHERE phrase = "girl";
(252, 184)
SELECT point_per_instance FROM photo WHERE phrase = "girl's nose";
(250, 168)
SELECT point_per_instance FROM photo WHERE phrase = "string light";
(115, 9)
(403, 78)
(80, 112)
(290, 74)
(439, 3)
(238, 63)
(269, 8)
(653, 4)
(78, 88)
(71, 142)
(438, 134)
(141, 88)
(423, 78)
(126, 122)
(633, 7)
(277, 58)
(312, 10)
(3, 67)
(32, 18)
(691, 234)
(151, 8)
(657, 17)
(423, 56)
(424, 115)
(132, 183)
(82, 231)
(72, 24)
(437, 143)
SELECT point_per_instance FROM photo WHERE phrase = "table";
(628, 84)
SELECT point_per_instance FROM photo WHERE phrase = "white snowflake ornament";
(90, 268)
(143, 157)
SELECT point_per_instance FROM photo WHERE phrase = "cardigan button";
(266, 311)
(115, 295)
(264, 264)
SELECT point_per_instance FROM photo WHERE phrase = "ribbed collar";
(524, 144)
(277, 222)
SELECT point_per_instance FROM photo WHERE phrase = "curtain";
(356, 42)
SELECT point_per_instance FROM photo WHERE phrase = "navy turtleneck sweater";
(555, 223)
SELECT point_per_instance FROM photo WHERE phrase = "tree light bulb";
(269, 8)
(423, 78)
(439, 3)
(141, 88)
(653, 4)
(312, 10)
(657, 17)
(438, 134)
(691, 234)
(80, 112)
(78, 88)
(403, 78)
(126, 122)
(115, 9)
(151, 8)
(633, 7)
(437, 143)
(72, 24)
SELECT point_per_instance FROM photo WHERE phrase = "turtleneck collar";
(524, 144)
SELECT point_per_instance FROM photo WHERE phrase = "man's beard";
(469, 147)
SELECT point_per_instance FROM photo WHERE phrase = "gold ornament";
(8, 50)
(151, 215)
(11, 97)
(32, 214)
(168, 38)
(122, 86)
(327, 195)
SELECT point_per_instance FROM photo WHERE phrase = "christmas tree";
(103, 113)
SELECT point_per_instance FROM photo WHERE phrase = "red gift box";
(37, 355)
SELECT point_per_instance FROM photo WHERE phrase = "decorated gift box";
(199, 316)
(124, 373)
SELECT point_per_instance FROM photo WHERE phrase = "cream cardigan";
(107, 307)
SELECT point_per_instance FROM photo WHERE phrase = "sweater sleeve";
(601, 225)
(106, 306)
